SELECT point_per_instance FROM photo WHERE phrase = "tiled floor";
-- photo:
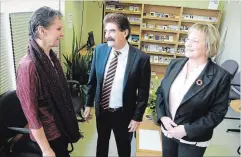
(222, 144)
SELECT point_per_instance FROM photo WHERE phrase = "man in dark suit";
(119, 83)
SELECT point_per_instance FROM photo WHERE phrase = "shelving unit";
(162, 30)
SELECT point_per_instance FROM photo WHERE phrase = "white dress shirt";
(116, 95)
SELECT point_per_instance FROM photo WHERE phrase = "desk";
(84, 51)
(149, 125)
(235, 105)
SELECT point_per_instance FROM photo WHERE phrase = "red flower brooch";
(199, 82)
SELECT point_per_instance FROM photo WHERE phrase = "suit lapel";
(201, 82)
(130, 60)
(104, 57)
(172, 76)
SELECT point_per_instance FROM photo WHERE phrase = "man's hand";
(48, 153)
(168, 123)
(133, 126)
(87, 114)
(177, 132)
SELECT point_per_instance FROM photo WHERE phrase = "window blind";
(5, 76)
(19, 31)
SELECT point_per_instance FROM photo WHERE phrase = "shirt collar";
(124, 50)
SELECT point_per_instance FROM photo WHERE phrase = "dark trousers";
(59, 146)
(107, 121)
(172, 148)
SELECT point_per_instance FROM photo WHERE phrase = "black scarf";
(55, 91)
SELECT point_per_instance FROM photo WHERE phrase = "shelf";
(195, 21)
(161, 64)
(134, 43)
(183, 32)
(135, 33)
(159, 30)
(159, 42)
(134, 23)
(176, 18)
(180, 55)
(159, 53)
(123, 11)
(160, 18)
(181, 44)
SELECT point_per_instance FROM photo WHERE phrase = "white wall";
(231, 22)
(13, 6)
(27, 5)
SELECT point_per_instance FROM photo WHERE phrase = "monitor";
(91, 41)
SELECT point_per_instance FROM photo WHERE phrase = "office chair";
(231, 66)
(12, 123)
(78, 103)
(234, 95)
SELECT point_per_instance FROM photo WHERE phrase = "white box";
(146, 37)
(146, 47)
(151, 58)
(131, 8)
(153, 47)
(172, 50)
(151, 37)
(143, 25)
(165, 60)
(137, 19)
(171, 38)
(156, 59)
(160, 59)
(150, 26)
(152, 13)
(110, 7)
(136, 9)
(160, 48)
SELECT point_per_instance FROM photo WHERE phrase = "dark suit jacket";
(136, 81)
(203, 107)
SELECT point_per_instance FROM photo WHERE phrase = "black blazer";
(136, 81)
(203, 107)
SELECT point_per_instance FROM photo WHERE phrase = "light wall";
(231, 23)
(75, 8)
(94, 11)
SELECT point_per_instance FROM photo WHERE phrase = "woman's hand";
(168, 123)
(177, 132)
(49, 153)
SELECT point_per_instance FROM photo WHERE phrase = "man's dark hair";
(44, 17)
(120, 20)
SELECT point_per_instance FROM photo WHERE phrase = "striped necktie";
(105, 99)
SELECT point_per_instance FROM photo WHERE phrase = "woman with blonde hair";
(193, 96)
